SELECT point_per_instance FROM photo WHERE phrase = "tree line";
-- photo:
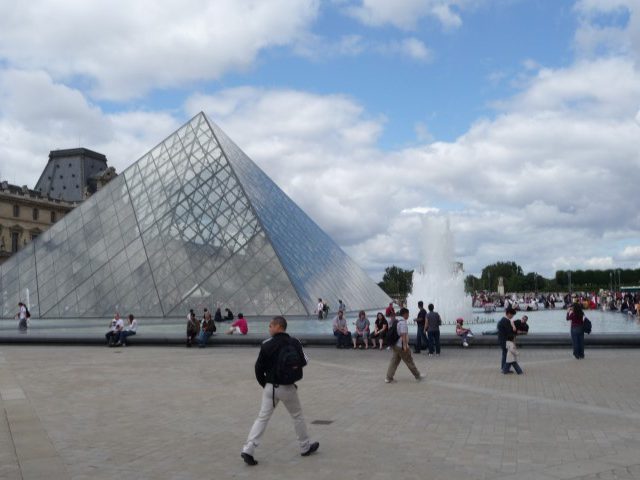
(397, 281)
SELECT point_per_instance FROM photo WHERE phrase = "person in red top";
(239, 326)
(390, 312)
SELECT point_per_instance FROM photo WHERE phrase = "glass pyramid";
(193, 223)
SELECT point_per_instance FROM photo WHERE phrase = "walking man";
(279, 365)
(505, 327)
(401, 349)
(421, 335)
(433, 330)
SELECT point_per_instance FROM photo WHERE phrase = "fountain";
(439, 279)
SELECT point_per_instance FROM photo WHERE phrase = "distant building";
(69, 177)
(25, 214)
(70, 174)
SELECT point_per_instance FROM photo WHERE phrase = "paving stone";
(173, 413)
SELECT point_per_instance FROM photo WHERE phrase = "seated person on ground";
(463, 332)
(340, 330)
(116, 332)
(207, 328)
(362, 329)
(111, 335)
(522, 328)
(228, 314)
(193, 327)
(130, 330)
(239, 326)
(380, 330)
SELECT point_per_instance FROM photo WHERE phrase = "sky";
(518, 120)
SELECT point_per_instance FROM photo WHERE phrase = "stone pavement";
(172, 413)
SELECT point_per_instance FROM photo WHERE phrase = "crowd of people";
(201, 330)
(607, 300)
(365, 334)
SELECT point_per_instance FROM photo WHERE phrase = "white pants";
(289, 396)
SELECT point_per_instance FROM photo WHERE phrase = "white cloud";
(599, 263)
(410, 47)
(405, 14)
(631, 252)
(612, 26)
(547, 182)
(62, 117)
(317, 48)
(153, 45)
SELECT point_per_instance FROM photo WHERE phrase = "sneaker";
(421, 377)
(248, 459)
(389, 380)
(430, 355)
(312, 448)
(465, 344)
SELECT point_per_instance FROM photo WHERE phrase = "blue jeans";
(421, 338)
(123, 336)
(203, 338)
(344, 339)
(434, 341)
(516, 367)
(577, 339)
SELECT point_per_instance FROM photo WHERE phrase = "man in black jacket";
(273, 392)
(505, 327)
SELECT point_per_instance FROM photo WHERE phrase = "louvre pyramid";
(193, 223)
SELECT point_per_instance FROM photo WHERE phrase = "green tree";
(396, 281)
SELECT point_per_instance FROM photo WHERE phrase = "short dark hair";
(510, 311)
(404, 310)
(240, 315)
(420, 303)
(279, 320)
(430, 307)
(131, 317)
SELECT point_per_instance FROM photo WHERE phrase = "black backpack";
(289, 364)
(28, 314)
(392, 334)
(586, 325)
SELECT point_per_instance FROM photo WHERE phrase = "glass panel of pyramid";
(192, 223)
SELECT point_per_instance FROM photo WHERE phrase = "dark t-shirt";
(381, 323)
(521, 327)
(422, 316)
(504, 328)
(433, 321)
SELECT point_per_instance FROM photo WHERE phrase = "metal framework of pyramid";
(193, 223)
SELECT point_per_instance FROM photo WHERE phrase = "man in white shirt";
(22, 316)
(320, 309)
(401, 350)
(118, 328)
(111, 335)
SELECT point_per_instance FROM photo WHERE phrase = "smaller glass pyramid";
(193, 223)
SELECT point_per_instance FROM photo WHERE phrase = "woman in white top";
(130, 330)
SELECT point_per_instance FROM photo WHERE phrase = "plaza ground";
(89, 412)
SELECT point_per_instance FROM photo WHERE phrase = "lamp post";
(611, 281)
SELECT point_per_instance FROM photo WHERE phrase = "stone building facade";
(69, 177)
(25, 214)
